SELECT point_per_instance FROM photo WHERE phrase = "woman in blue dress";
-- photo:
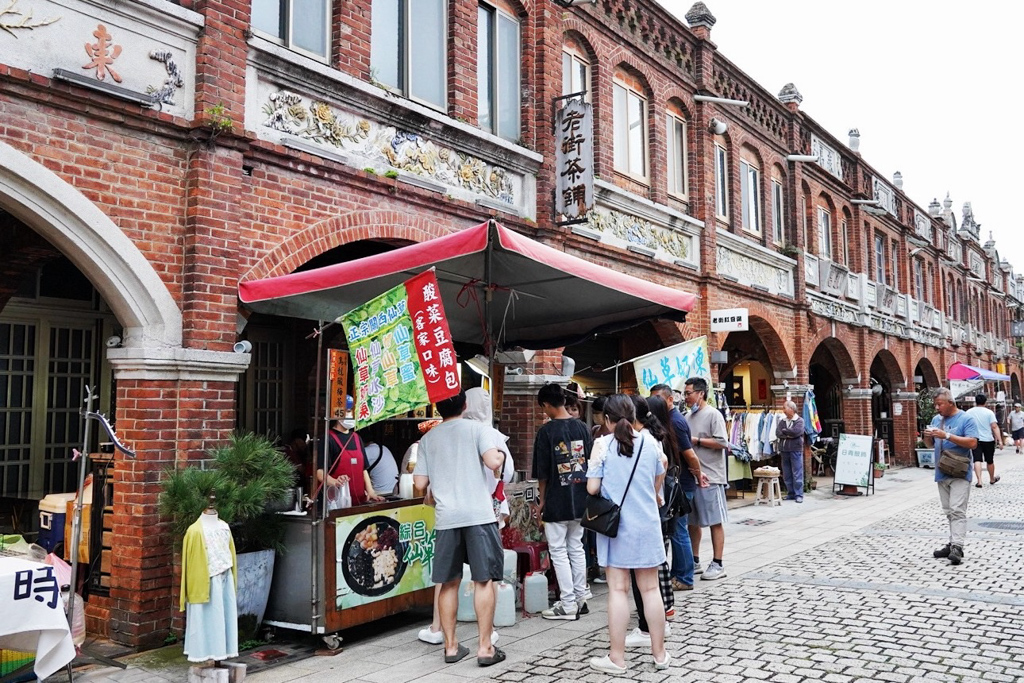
(638, 545)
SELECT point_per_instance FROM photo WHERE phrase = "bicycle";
(824, 452)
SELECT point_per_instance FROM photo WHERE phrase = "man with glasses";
(952, 429)
(709, 439)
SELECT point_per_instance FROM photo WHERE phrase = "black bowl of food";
(372, 558)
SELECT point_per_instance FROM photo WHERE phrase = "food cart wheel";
(333, 642)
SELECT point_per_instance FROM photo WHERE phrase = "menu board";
(383, 554)
(853, 461)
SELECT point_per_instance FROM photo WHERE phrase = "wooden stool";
(774, 493)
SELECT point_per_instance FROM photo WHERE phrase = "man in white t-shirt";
(382, 467)
(989, 437)
(1017, 426)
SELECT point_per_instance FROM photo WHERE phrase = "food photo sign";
(383, 554)
(401, 350)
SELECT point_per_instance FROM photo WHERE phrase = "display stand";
(854, 466)
(76, 522)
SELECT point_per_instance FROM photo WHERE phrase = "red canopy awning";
(963, 371)
(542, 297)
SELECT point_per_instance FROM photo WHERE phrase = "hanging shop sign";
(337, 383)
(730, 320)
(574, 158)
(853, 461)
(674, 365)
(383, 554)
(401, 351)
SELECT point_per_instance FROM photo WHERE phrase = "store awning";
(541, 297)
(963, 371)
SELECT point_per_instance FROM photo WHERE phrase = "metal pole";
(316, 524)
(76, 519)
(489, 343)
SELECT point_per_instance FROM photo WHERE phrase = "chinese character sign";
(674, 365)
(401, 351)
(574, 159)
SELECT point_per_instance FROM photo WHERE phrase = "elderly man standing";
(952, 429)
(790, 433)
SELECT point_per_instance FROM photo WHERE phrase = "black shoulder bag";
(676, 504)
(602, 515)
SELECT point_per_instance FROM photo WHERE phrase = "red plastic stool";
(533, 557)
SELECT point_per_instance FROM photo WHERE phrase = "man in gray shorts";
(453, 459)
(709, 439)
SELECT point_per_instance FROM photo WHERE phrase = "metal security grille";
(17, 386)
(268, 400)
(71, 353)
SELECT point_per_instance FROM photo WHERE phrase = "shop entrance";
(926, 381)
(748, 375)
(828, 363)
(882, 380)
(596, 357)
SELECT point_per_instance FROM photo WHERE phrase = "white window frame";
(496, 105)
(919, 280)
(845, 236)
(895, 247)
(288, 40)
(879, 258)
(778, 212)
(575, 60)
(406, 58)
(824, 233)
(678, 153)
(622, 131)
(721, 181)
(750, 196)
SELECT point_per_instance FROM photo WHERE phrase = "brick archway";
(65, 218)
(321, 237)
(926, 370)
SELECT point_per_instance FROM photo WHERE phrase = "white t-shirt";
(985, 419)
(1017, 420)
(384, 475)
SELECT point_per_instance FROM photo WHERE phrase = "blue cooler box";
(52, 516)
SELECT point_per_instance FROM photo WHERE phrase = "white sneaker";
(713, 572)
(698, 569)
(560, 611)
(432, 637)
(588, 595)
(661, 666)
(637, 638)
(606, 665)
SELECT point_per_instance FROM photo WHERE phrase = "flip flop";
(995, 480)
(978, 485)
(462, 653)
(498, 656)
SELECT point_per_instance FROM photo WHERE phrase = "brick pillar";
(904, 429)
(521, 417)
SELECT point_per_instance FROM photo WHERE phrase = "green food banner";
(401, 350)
(383, 554)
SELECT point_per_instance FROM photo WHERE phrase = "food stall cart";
(500, 290)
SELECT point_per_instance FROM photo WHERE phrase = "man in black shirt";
(560, 454)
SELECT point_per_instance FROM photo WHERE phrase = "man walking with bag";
(953, 433)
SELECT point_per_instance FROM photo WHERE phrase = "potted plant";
(249, 477)
(925, 456)
(925, 412)
(879, 469)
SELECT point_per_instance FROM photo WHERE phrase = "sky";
(932, 85)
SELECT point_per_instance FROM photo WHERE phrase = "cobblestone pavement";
(837, 589)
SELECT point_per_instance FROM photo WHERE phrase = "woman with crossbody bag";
(625, 468)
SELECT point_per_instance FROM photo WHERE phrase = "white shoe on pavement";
(713, 572)
(637, 638)
(662, 665)
(560, 611)
(429, 636)
(606, 665)
(588, 595)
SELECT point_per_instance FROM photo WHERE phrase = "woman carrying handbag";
(625, 468)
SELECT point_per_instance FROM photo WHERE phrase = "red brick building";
(191, 146)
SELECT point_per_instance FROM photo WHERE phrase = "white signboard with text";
(853, 461)
(730, 320)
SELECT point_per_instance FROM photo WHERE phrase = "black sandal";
(462, 653)
(498, 656)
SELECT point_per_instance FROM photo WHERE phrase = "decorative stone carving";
(318, 122)
(700, 15)
(165, 93)
(789, 93)
(854, 139)
(885, 196)
(103, 53)
(640, 232)
(750, 271)
(968, 223)
(828, 158)
(12, 20)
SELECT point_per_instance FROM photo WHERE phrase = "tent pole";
(489, 345)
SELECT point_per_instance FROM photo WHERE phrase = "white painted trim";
(178, 364)
(123, 276)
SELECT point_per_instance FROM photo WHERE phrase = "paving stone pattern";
(870, 606)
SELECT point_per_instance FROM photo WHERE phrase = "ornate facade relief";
(626, 230)
(749, 265)
(828, 158)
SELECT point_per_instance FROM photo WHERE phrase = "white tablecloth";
(32, 615)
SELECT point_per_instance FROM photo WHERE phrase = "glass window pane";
(268, 16)
(386, 46)
(566, 73)
(621, 128)
(309, 25)
(745, 194)
(636, 136)
(670, 132)
(508, 78)
(721, 184)
(427, 33)
(484, 68)
(580, 81)
(754, 191)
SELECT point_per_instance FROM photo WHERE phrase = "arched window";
(575, 68)
(778, 205)
(675, 142)
(750, 191)
(721, 178)
(630, 122)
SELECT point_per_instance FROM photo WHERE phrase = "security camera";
(244, 346)
(718, 127)
(113, 342)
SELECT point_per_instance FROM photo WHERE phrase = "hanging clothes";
(812, 423)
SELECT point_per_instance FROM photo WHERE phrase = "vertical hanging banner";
(337, 383)
(401, 351)
(574, 158)
(674, 365)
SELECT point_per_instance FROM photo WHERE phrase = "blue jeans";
(793, 473)
(682, 551)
